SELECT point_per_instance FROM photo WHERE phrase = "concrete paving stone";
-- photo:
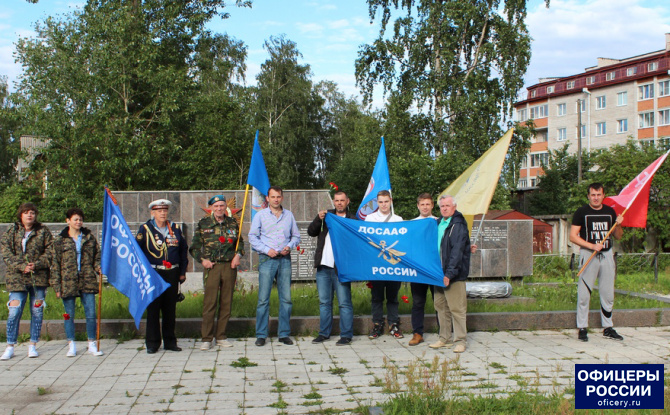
(111, 409)
(74, 410)
(148, 408)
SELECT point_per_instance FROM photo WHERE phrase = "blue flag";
(258, 179)
(380, 180)
(385, 251)
(124, 263)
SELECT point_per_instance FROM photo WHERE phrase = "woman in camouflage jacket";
(25, 249)
(75, 264)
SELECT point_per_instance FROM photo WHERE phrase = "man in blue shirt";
(273, 234)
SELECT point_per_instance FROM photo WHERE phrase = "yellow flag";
(473, 190)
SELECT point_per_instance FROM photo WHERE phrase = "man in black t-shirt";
(590, 225)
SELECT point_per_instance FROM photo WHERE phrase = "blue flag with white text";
(124, 263)
(380, 180)
(385, 251)
(258, 179)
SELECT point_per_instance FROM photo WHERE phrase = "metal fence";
(556, 266)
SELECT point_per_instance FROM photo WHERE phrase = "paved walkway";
(297, 379)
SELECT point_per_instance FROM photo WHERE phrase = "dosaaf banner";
(385, 251)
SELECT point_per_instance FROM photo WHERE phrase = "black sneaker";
(583, 335)
(610, 333)
(377, 331)
(260, 341)
(395, 331)
(320, 339)
(286, 340)
(344, 341)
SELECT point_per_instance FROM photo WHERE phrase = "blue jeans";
(36, 313)
(270, 269)
(327, 284)
(88, 302)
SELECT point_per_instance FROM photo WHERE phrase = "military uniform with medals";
(167, 252)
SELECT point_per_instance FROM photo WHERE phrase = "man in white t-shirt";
(388, 289)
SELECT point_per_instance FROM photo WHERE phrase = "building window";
(539, 159)
(601, 128)
(646, 120)
(524, 162)
(533, 93)
(523, 183)
(664, 117)
(580, 103)
(550, 89)
(583, 132)
(645, 91)
(663, 143)
(570, 84)
(600, 102)
(539, 111)
(622, 98)
(610, 76)
(622, 126)
(561, 134)
(540, 137)
(590, 80)
(664, 88)
(522, 115)
(652, 66)
(533, 182)
(631, 71)
(561, 109)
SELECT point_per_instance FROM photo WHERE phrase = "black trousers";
(419, 295)
(166, 305)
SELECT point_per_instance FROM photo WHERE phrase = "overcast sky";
(567, 37)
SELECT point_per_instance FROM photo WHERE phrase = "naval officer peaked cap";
(160, 204)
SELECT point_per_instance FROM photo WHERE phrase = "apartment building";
(616, 100)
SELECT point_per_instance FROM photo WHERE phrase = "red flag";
(634, 198)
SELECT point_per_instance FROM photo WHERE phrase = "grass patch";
(243, 362)
(338, 370)
(42, 391)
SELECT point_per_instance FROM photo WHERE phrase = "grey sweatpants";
(602, 268)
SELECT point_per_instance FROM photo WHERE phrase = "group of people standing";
(70, 264)
(450, 301)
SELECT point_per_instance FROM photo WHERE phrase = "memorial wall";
(505, 247)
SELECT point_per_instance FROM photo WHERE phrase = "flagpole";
(479, 229)
(97, 340)
(244, 205)
(604, 239)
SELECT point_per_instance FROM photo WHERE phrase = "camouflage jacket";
(65, 278)
(38, 248)
(216, 241)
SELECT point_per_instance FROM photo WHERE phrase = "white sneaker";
(8, 354)
(205, 345)
(32, 351)
(72, 352)
(224, 343)
(93, 349)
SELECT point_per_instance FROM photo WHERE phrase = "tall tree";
(288, 111)
(460, 62)
(111, 87)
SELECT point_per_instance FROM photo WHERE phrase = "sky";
(568, 36)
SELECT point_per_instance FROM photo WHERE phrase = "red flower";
(333, 186)
(405, 299)
(302, 251)
(66, 316)
(230, 240)
(222, 239)
(38, 303)
(369, 284)
(167, 265)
